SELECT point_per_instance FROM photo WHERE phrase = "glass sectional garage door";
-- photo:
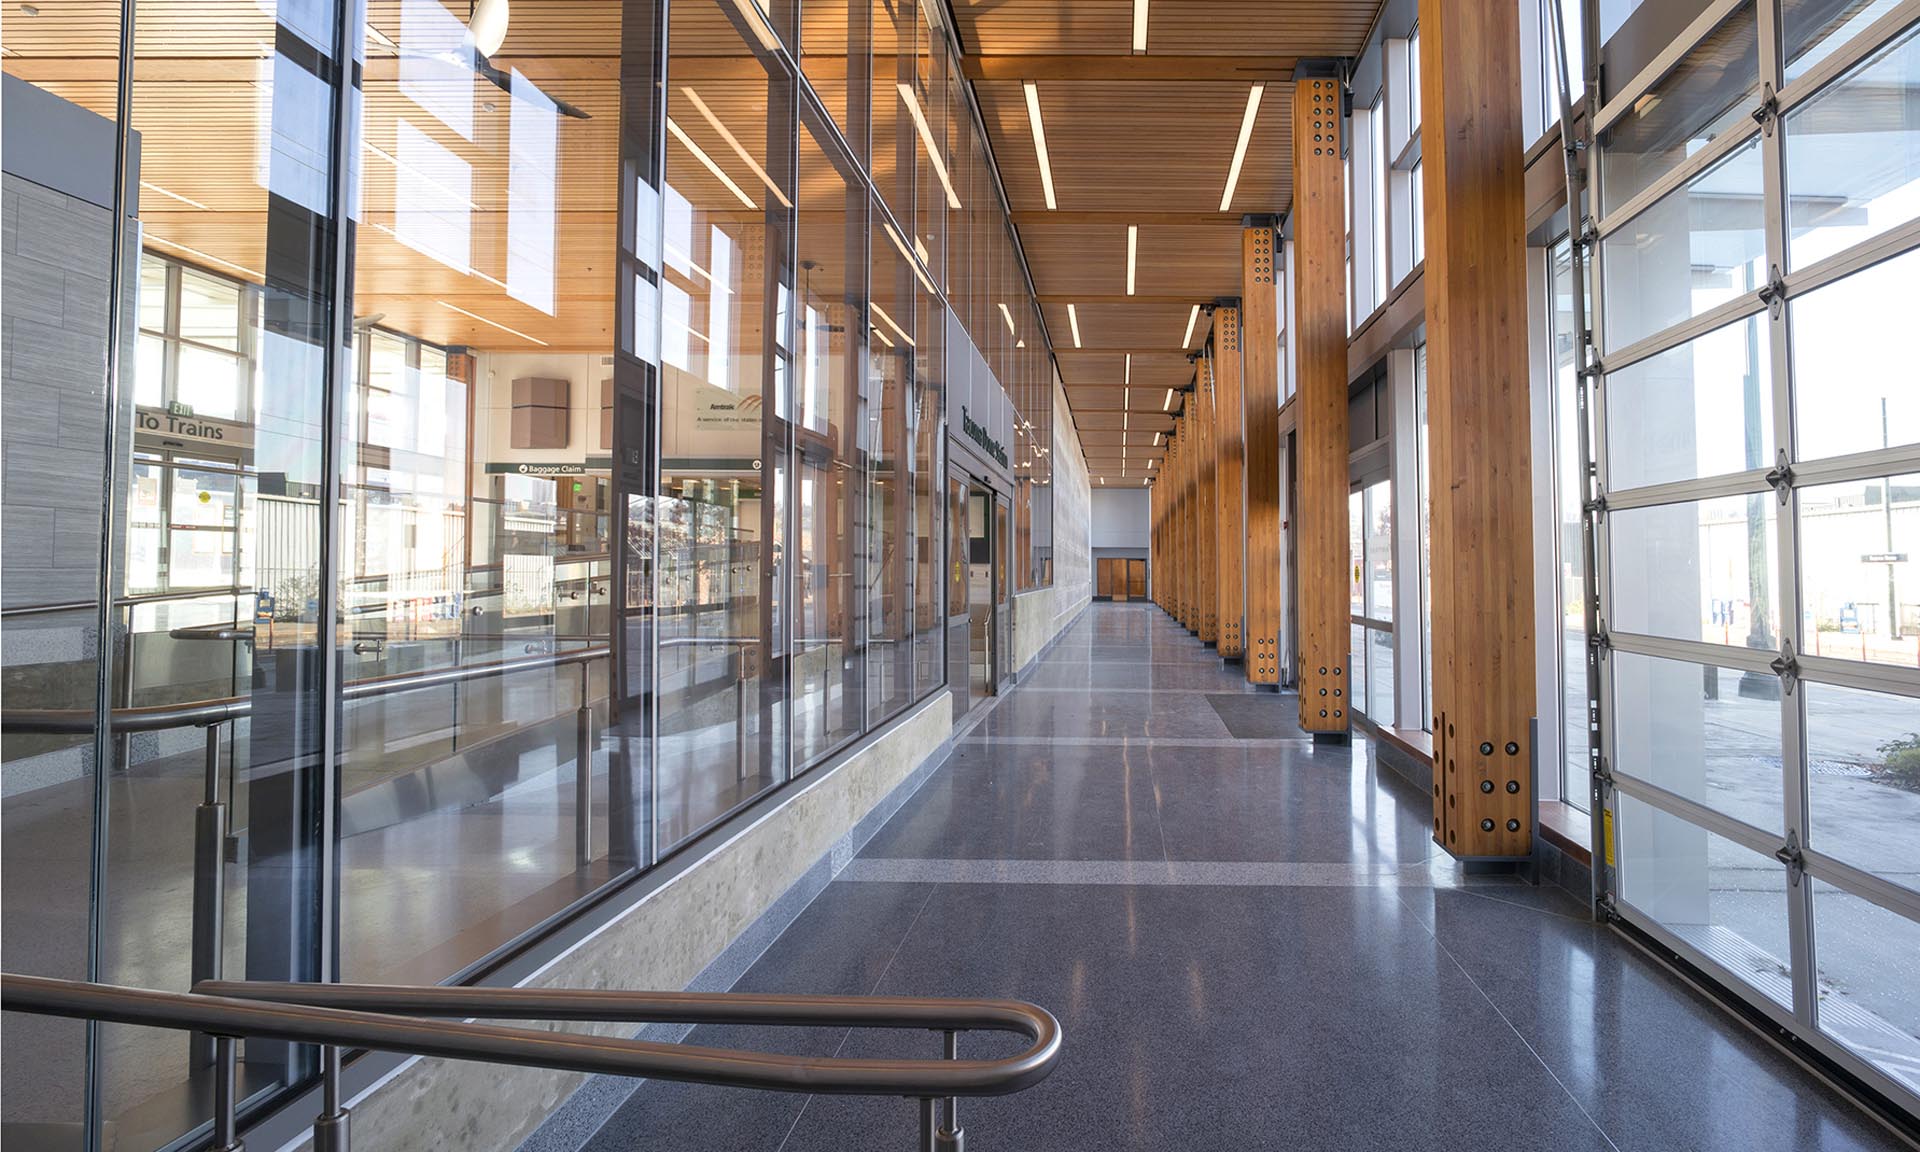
(1756, 429)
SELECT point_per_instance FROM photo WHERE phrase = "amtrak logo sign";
(979, 436)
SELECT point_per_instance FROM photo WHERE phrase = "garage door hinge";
(1789, 854)
(1786, 667)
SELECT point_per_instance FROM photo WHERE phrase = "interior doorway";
(978, 608)
(1120, 578)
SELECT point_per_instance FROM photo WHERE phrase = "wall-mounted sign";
(1884, 558)
(979, 436)
(550, 467)
(178, 423)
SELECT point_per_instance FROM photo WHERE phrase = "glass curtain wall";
(529, 444)
(1759, 447)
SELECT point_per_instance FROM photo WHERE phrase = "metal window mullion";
(1677, 177)
(1793, 757)
(1869, 465)
(1762, 841)
(1868, 886)
(1738, 658)
(1887, 679)
(1864, 44)
(1692, 328)
(1687, 491)
(1888, 245)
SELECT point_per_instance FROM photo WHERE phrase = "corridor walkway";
(1251, 943)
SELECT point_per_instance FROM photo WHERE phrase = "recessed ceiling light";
(1073, 321)
(700, 154)
(1193, 318)
(733, 142)
(1133, 253)
(891, 323)
(1128, 380)
(1139, 25)
(1240, 146)
(932, 145)
(1167, 404)
(1007, 314)
(1040, 142)
(492, 323)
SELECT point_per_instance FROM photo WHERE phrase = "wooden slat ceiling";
(1141, 139)
(1134, 138)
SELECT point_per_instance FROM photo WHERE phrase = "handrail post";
(226, 1132)
(583, 770)
(330, 1128)
(952, 1137)
(209, 886)
(929, 1125)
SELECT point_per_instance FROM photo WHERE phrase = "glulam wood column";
(1473, 153)
(1260, 406)
(1319, 333)
(1206, 542)
(1230, 463)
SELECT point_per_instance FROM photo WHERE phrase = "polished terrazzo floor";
(1249, 943)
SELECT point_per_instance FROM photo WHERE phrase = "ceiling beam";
(1116, 66)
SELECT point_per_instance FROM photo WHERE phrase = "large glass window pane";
(896, 138)
(1380, 706)
(1697, 571)
(831, 43)
(1378, 560)
(1852, 369)
(929, 433)
(1812, 30)
(828, 697)
(888, 479)
(1710, 92)
(57, 256)
(1853, 156)
(1426, 538)
(726, 390)
(1703, 408)
(1860, 569)
(1863, 781)
(1725, 900)
(1356, 554)
(1869, 979)
(1709, 734)
(1697, 247)
(1568, 555)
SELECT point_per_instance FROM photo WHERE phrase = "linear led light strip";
(898, 331)
(700, 154)
(463, 269)
(894, 236)
(1140, 25)
(1008, 314)
(175, 195)
(1133, 253)
(734, 143)
(1240, 147)
(1193, 318)
(492, 323)
(208, 256)
(1167, 404)
(1040, 142)
(932, 145)
(1073, 321)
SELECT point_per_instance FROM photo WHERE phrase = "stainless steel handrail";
(395, 1019)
